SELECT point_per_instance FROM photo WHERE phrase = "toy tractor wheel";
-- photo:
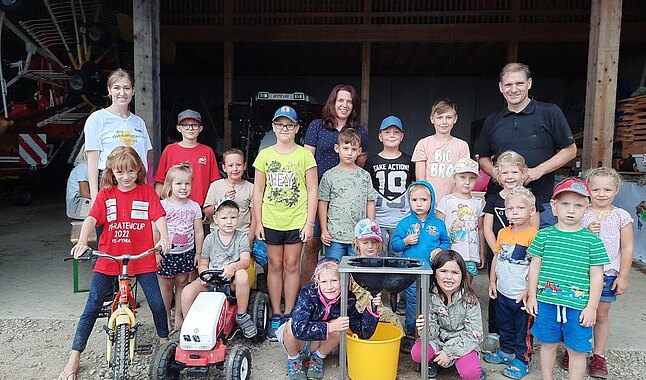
(237, 365)
(260, 315)
(162, 363)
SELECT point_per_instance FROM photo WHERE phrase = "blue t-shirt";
(323, 139)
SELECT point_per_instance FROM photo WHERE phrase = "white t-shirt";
(105, 131)
(461, 219)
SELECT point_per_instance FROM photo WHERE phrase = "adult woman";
(338, 112)
(114, 126)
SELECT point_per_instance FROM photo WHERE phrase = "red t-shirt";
(205, 167)
(127, 218)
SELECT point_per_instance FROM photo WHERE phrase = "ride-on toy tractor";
(201, 349)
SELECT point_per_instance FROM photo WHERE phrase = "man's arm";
(486, 165)
(561, 158)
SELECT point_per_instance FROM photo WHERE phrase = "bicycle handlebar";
(93, 252)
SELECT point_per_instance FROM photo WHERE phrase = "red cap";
(573, 185)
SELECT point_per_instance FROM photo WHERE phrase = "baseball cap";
(226, 202)
(189, 114)
(287, 112)
(367, 229)
(573, 185)
(391, 121)
(466, 165)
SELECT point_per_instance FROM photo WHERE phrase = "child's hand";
(531, 306)
(78, 250)
(231, 193)
(411, 239)
(435, 252)
(165, 245)
(228, 271)
(483, 261)
(326, 238)
(595, 227)
(196, 260)
(376, 300)
(522, 297)
(442, 359)
(588, 317)
(419, 322)
(159, 260)
(260, 232)
(339, 324)
(306, 233)
(493, 292)
(620, 285)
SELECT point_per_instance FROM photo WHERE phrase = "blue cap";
(287, 112)
(391, 121)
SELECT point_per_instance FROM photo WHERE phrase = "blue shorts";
(607, 294)
(472, 268)
(259, 252)
(178, 263)
(550, 327)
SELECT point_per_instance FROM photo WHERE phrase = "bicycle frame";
(124, 309)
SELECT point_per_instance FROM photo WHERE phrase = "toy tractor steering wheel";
(213, 276)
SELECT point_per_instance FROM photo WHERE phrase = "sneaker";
(491, 343)
(483, 374)
(407, 343)
(516, 370)
(499, 357)
(401, 307)
(565, 360)
(432, 370)
(274, 324)
(295, 369)
(598, 367)
(249, 329)
(285, 318)
(315, 367)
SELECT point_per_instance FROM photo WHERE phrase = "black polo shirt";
(537, 133)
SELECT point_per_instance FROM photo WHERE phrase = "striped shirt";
(564, 278)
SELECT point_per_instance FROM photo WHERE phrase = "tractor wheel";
(162, 363)
(121, 353)
(260, 315)
(23, 195)
(237, 365)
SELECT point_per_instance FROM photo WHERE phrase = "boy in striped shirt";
(565, 280)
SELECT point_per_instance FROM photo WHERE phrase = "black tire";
(121, 353)
(23, 195)
(260, 315)
(162, 363)
(237, 365)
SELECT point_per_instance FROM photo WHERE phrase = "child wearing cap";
(564, 301)
(435, 156)
(463, 216)
(200, 156)
(226, 249)
(345, 197)
(368, 243)
(391, 175)
(285, 197)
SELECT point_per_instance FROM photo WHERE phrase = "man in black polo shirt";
(536, 130)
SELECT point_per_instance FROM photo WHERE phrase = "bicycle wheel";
(121, 353)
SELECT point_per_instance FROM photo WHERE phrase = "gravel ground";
(38, 348)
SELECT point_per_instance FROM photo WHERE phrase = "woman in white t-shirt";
(114, 126)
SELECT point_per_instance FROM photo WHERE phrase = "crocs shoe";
(315, 367)
(516, 370)
(598, 367)
(274, 324)
(295, 369)
(499, 357)
(249, 329)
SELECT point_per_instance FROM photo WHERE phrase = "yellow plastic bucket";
(376, 358)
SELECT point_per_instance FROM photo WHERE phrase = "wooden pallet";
(630, 126)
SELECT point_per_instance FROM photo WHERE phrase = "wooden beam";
(512, 45)
(228, 75)
(146, 63)
(601, 88)
(365, 83)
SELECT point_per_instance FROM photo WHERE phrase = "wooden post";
(365, 68)
(228, 75)
(512, 45)
(145, 24)
(601, 88)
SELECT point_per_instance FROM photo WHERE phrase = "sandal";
(68, 376)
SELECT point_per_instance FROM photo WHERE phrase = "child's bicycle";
(122, 325)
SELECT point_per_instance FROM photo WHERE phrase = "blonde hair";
(122, 158)
(515, 67)
(119, 74)
(509, 157)
(233, 151)
(522, 192)
(444, 105)
(183, 168)
(349, 136)
(355, 246)
(324, 265)
(603, 172)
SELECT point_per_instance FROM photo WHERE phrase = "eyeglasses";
(190, 127)
(281, 126)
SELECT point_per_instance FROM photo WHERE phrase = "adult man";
(536, 130)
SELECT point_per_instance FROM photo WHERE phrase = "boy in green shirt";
(565, 280)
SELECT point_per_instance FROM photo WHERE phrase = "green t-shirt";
(564, 278)
(348, 193)
(284, 204)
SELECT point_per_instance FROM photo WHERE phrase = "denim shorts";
(556, 324)
(337, 250)
(607, 294)
(472, 268)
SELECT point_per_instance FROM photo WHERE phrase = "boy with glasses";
(200, 156)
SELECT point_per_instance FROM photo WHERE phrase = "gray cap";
(189, 114)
